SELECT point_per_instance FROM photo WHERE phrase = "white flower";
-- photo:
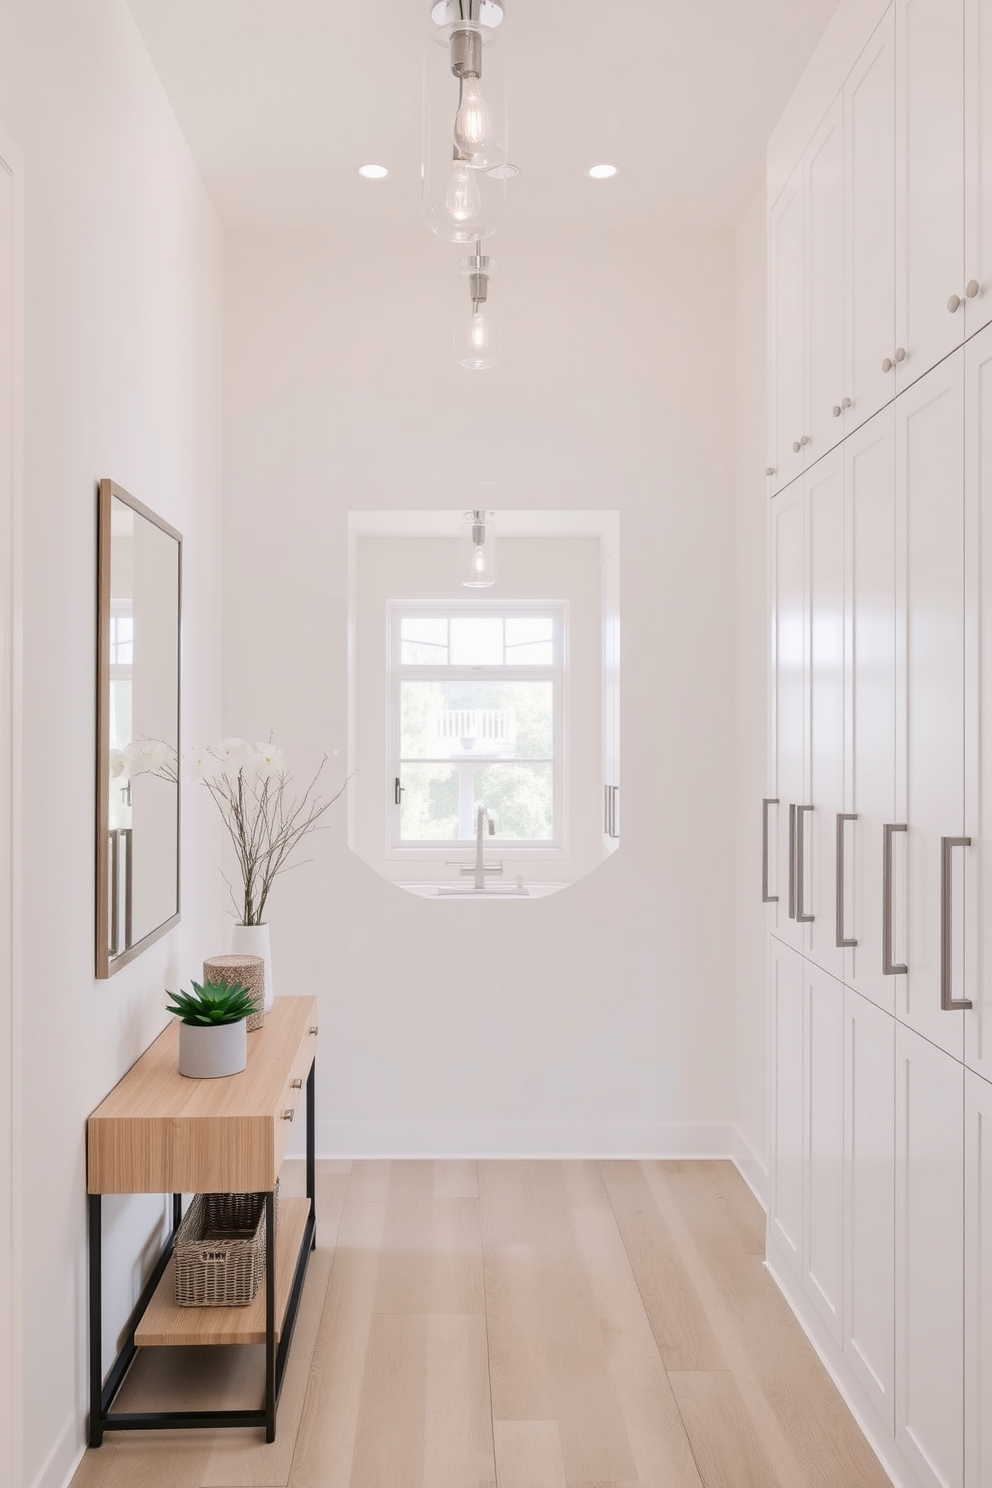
(271, 760)
(118, 764)
(203, 765)
(148, 756)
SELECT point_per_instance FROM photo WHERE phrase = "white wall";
(751, 693)
(551, 570)
(124, 264)
(600, 1019)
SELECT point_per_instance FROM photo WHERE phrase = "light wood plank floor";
(517, 1325)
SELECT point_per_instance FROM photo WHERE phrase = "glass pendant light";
(478, 550)
(464, 121)
(477, 324)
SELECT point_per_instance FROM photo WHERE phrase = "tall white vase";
(253, 940)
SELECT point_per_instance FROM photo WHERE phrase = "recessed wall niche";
(492, 711)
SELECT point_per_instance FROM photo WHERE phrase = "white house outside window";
(476, 716)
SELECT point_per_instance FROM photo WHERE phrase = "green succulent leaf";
(212, 1003)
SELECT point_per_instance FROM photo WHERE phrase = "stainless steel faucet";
(480, 868)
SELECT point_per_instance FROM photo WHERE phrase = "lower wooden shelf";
(165, 1324)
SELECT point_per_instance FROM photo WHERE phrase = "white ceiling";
(282, 100)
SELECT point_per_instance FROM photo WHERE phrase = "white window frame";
(553, 851)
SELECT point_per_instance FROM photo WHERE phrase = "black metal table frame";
(103, 1394)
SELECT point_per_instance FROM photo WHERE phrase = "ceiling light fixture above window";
(373, 172)
(477, 338)
(478, 545)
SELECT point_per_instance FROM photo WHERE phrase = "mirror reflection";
(138, 712)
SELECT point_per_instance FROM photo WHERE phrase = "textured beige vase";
(209, 1053)
(245, 971)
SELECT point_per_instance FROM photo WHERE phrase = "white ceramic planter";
(208, 1053)
(253, 940)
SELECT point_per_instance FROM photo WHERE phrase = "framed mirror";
(139, 627)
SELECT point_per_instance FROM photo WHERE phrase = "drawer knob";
(313, 1030)
(296, 1084)
(289, 1115)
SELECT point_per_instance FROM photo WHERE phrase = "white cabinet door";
(823, 1137)
(869, 226)
(823, 189)
(786, 335)
(785, 1064)
(929, 1260)
(870, 493)
(978, 1282)
(930, 576)
(978, 164)
(930, 183)
(610, 597)
(789, 699)
(978, 486)
(869, 1200)
(825, 784)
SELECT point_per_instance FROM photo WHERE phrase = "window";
(476, 716)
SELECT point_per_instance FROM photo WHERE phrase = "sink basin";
(471, 892)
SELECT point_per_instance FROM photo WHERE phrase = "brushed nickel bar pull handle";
(948, 1003)
(614, 793)
(792, 861)
(888, 969)
(842, 817)
(802, 918)
(766, 898)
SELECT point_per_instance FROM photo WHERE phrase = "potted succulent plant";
(213, 1032)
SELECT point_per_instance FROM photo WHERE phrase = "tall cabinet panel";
(610, 599)
(787, 436)
(869, 1200)
(870, 491)
(869, 226)
(823, 1137)
(978, 485)
(929, 183)
(930, 796)
(785, 1156)
(824, 356)
(788, 676)
(978, 164)
(825, 748)
(929, 1260)
(978, 1282)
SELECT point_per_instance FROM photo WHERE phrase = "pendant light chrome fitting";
(478, 545)
(477, 334)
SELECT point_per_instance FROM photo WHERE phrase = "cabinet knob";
(845, 403)
(289, 1115)
(796, 446)
(804, 440)
(888, 364)
(837, 410)
(954, 303)
(901, 354)
(769, 469)
(972, 288)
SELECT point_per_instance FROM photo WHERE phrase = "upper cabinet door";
(978, 486)
(978, 164)
(931, 738)
(787, 608)
(787, 433)
(869, 226)
(930, 287)
(823, 167)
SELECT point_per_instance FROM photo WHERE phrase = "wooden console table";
(158, 1132)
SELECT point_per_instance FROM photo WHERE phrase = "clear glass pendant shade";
(478, 550)
(478, 329)
(464, 132)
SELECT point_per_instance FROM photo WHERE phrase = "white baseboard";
(511, 1139)
(751, 1168)
(59, 1467)
(875, 1430)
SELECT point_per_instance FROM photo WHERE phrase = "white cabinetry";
(610, 594)
(978, 164)
(978, 1282)
(978, 485)
(823, 1139)
(786, 335)
(929, 1256)
(930, 289)
(823, 359)
(787, 560)
(869, 1201)
(785, 1159)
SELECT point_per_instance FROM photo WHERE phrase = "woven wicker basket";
(220, 1250)
(249, 971)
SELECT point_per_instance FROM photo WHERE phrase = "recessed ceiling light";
(503, 172)
(373, 172)
(601, 172)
